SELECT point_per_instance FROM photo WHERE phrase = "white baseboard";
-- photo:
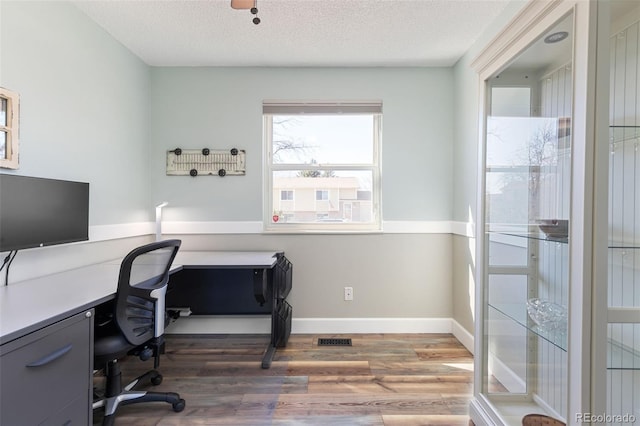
(370, 325)
(506, 376)
(462, 335)
(236, 324)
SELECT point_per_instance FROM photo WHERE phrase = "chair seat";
(110, 347)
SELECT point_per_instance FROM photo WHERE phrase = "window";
(9, 107)
(328, 154)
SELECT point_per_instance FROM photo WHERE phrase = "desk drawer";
(74, 414)
(46, 371)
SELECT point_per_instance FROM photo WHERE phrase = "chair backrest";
(142, 285)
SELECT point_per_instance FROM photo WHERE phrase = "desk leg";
(278, 281)
(268, 356)
(271, 349)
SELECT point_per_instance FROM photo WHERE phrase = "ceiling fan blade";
(243, 4)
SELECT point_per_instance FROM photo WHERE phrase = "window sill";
(321, 231)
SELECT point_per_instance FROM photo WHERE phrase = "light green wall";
(83, 105)
(466, 102)
(221, 108)
(393, 275)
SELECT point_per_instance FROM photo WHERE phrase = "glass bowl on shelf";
(554, 228)
(547, 315)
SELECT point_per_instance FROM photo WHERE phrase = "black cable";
(7, 262)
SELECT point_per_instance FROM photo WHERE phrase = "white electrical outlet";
(348, 293)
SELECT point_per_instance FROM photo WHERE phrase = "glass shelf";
(518, 313)
(617, 245)
(621, 357)
(532, 236)
(620, 134)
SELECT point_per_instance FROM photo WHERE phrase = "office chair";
(136, 327)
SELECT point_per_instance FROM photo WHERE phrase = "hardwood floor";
(382, 379)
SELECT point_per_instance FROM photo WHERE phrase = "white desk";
(29, 305)
(226, 259)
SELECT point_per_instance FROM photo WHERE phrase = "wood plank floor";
(382, 379)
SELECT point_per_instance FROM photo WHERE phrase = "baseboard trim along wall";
(505, 375)
(261, 324)
(464, 336)
(370, 325)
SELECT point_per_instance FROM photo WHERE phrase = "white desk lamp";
(159, 219)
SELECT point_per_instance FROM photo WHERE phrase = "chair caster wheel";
(156, 380)
(179, 406)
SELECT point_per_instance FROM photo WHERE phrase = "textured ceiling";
(296, 32)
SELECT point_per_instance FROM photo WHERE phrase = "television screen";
(37, 212)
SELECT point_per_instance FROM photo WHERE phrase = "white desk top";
(29, 305)
(226, 259)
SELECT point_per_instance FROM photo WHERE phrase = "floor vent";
(334, 342)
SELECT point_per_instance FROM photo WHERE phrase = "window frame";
(11, 129)
(373, 108)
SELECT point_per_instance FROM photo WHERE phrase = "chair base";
(116, 395)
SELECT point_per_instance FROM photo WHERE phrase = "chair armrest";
(160, 310)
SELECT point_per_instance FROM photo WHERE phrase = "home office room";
(284, 195)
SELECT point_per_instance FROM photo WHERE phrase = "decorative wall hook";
(252, 5)
(205, 161)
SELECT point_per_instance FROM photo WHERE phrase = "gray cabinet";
(46, 376)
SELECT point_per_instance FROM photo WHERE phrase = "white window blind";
(295, 108)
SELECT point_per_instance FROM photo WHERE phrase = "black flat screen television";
(38, 212)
